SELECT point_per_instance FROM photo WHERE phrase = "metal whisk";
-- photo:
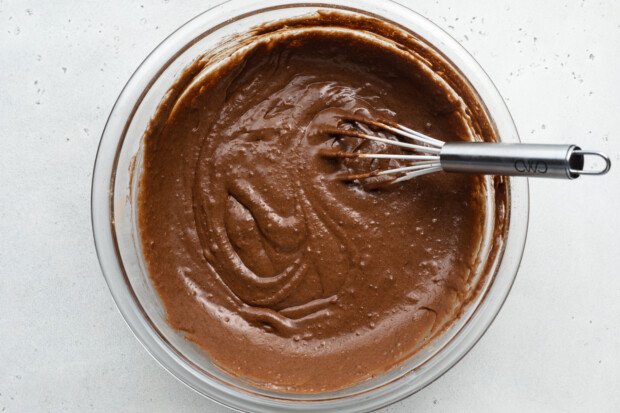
(430, 155)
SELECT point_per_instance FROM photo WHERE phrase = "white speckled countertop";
(64, 347)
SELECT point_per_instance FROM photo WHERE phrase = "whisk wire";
(355, 134)
(426, 150)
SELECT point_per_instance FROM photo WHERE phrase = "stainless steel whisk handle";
(534, 160)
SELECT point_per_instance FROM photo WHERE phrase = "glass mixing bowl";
(117, 240)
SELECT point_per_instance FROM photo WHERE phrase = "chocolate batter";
(287, 277)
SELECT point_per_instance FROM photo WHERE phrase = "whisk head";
(419, 153)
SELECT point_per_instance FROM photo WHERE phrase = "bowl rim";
(102, 214)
